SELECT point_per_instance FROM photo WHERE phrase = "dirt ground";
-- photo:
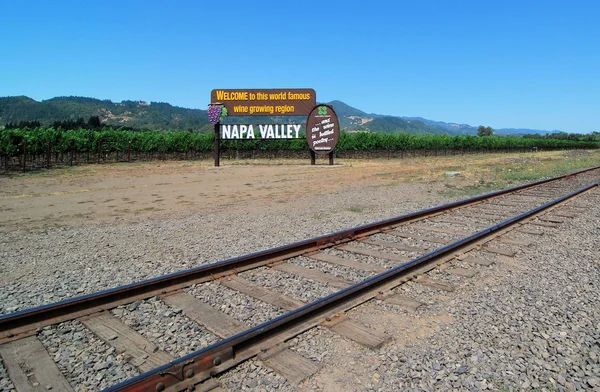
(120, 193)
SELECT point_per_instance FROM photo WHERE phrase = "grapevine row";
(109, 140)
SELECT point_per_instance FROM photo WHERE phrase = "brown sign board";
(266, 102)
(322, 129)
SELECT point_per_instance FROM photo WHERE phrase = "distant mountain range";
(354, 119)
(161, 115)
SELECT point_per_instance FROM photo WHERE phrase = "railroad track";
(346, 269)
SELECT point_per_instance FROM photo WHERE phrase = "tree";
(94, 122)
(485, 131)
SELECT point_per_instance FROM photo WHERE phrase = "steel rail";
(19, 322)
(204, 359)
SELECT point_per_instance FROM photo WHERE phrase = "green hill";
(135, 114)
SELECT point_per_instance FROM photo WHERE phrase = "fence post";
(24, 155)
(71, 157)
(129, 151)
(217, 151)
(48, 154)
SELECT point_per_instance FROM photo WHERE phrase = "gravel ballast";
(239, 306)
(90, 363)
(5, 383)
(167, 328)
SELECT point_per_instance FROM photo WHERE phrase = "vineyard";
(30, 148)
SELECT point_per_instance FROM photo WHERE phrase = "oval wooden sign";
(322, 129)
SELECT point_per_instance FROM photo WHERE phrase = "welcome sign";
(322, 124)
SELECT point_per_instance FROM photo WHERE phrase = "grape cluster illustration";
(214, 113)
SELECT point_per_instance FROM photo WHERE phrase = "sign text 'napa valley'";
(260, 131)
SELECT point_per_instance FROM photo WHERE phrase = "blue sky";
(519, 64)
